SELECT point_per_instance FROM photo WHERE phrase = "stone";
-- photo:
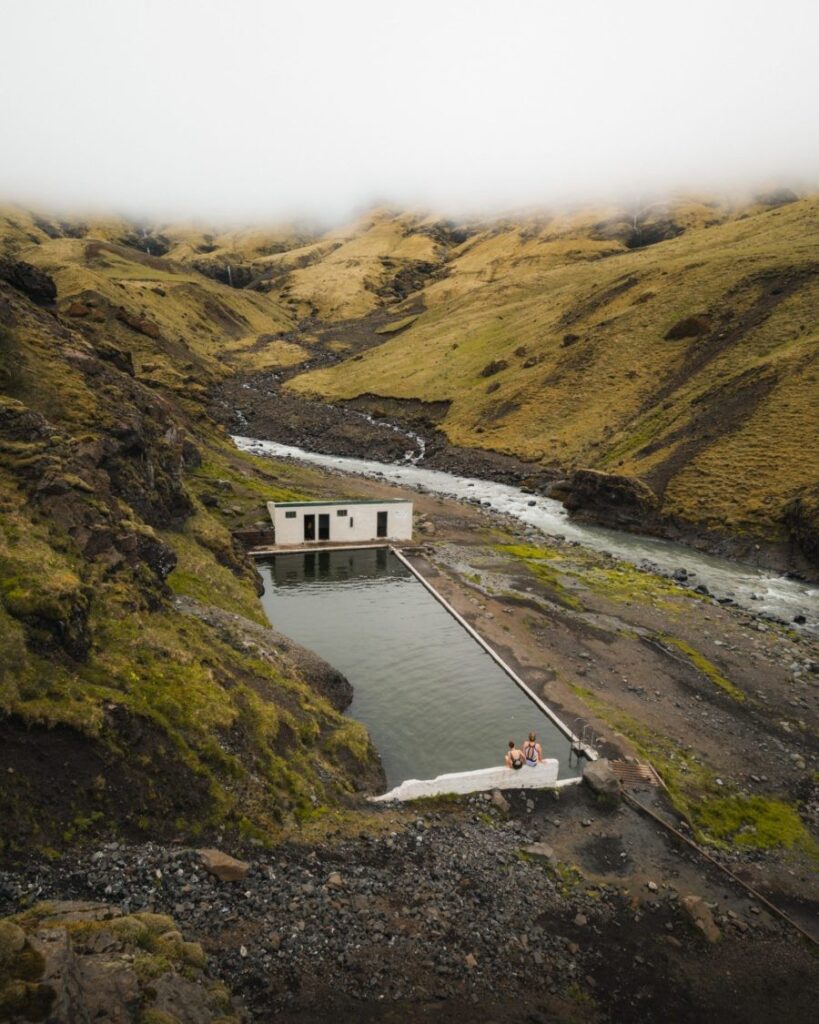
(335, 880)
(223, 866)
(702, 918)
(600, 777)
(652, 886)
(471, 961)
(500, 801)
(541, 851)
(581, 920)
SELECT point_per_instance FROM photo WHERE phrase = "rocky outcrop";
(34, 283)
(614, 500)
(69, 962)
(138, 323)
(801, 519)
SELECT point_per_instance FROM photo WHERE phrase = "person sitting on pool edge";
(514, 757)
(532, 751)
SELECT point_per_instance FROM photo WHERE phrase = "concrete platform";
(544, 776)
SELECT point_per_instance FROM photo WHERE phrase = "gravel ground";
(446, 914)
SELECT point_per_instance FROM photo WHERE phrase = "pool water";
(433, 700)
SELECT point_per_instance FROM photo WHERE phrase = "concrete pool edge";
(588, 752)
(544, 776)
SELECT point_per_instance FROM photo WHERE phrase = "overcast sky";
(262, 108)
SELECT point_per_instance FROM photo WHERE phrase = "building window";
(289, 515)
(341, 512)
(351, 522)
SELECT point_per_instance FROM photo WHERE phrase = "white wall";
(360, 523)
(544, 776)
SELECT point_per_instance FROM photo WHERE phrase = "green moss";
(199, 574)
(753, 821)
(536, 560)
(353, 737)
(704, 666)
(718, 818)
(150, 1016)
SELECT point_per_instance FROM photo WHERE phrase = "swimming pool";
(433, 699)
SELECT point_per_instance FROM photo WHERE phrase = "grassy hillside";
(133, 664)
(690, 363)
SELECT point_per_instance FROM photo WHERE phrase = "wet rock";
(600, 777)
(223, 866)
(698, 911)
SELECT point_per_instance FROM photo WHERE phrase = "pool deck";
(544, 776)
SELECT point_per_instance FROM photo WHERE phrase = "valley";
(136, 664)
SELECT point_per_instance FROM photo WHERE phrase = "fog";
(266, 109)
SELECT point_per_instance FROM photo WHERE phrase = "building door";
(310, 527)
(324, 526)
(381, 530)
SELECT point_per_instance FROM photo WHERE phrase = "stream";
(757, 590)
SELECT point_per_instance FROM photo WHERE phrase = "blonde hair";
(532, 737)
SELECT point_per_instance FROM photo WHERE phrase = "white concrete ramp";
(544, 776)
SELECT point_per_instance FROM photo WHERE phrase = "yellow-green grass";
(719, 818)
(600, 400)
(703, 666)
(619, 581)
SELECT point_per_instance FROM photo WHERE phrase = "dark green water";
(433, 700)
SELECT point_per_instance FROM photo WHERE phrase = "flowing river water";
(757, 590)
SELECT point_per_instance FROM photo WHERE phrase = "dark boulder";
(620, 501)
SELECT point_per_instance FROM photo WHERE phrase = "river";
(757, 590)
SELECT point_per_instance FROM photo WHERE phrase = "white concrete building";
(340, 522)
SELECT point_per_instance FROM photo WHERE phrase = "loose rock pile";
(436, 909)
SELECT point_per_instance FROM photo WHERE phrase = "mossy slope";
(690, 364)
(122, 707)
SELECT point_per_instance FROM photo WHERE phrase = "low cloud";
(264, 110)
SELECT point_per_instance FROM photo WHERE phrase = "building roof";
(341, 504)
